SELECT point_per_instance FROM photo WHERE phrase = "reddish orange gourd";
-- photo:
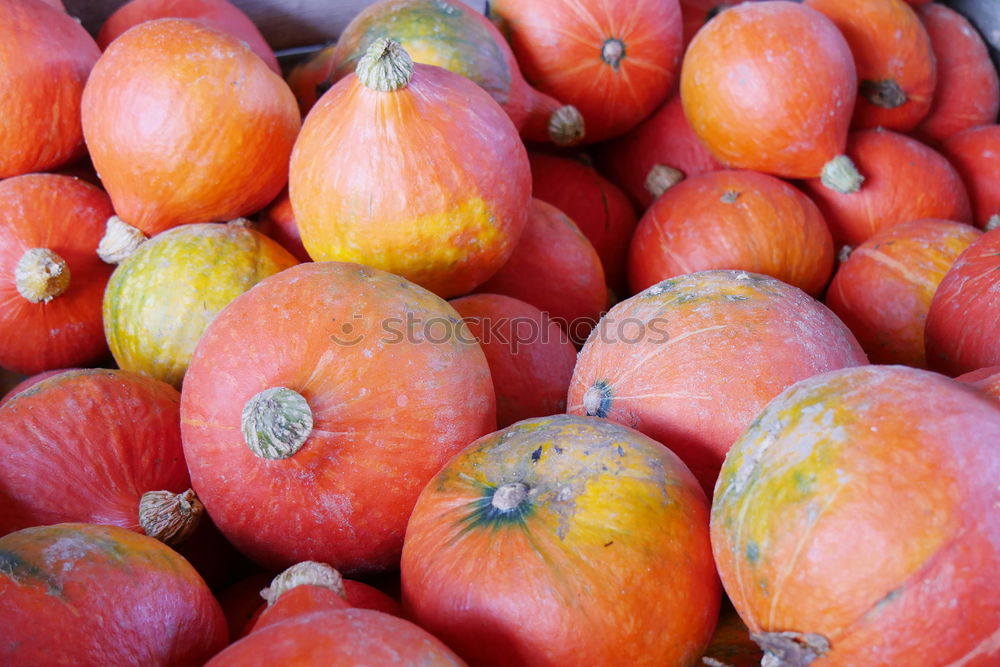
(986, 380)
(278, 222)
(975, 154)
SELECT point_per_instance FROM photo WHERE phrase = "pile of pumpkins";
(725, 276)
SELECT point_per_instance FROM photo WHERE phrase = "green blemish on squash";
(753, 552)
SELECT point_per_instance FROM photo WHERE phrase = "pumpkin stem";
(510, 496)
(386, 66)
(119, 241)
(844, 253)
(276, 423)
(597, 399)
(566, 126)
(170, 517)
(790, 649)
(306, 573)
(841, 175)
(245, 223)
(661, 178)
(613, 52)
(41, 275)
(993, 222)
(886, 94)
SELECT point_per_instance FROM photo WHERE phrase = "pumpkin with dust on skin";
(975, 154)
(884, 289)
(411, 169)
(333, 392)
(986, 380)
(849, 527)
(693, 359)
(591, 530)
(79, 594)
(160, 299)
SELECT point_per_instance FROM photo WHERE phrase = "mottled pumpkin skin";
(389, 409)
(78, 594)
(160, 299)
(986, 380)
(964, 317)
(855, 507)
(608, 557)
(45, 58)
(430, 182)
(884, 289)
(343, 638)
(693, 359)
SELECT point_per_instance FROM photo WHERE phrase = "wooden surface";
(284, 23)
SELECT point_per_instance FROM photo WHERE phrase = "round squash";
(986, 380)
(303, 588)
(309, 78)
(155, 97)
(324, 399)
(964, 316)
(884, 289)
(46, 58)
(160, 299)
(51, 280)
(985, 16)
(732, 220)
(883, 460)
(696, 13)
(554, 539)
(693, 359)
(614, 61)
(411, 169)
(78, 594)
(975, 154)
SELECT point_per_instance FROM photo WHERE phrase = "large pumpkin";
(693, 359)
(51, 280)
(46, 57)
(975, 154)
(412, 169)
(153, 99)
(78, 594)
(614, 61)
(319, 403)
(850, 526)
(160, 299)
(559, 538)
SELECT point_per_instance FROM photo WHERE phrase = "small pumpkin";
(883, 460)
(986, 380)
(975, 154)
(154, 96)
(80, 594)
(616, 62)
(51, 280)
(552, 539)
(884, 289)
(160, 299)
(411, 169)
(301, 589)
(46, 58)
(732, 220)
(308, 79)
(985, 16)
(693, 359)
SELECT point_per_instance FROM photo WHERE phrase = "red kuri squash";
(986, 380)
(975, 154)
(308, 79)
(278, 222)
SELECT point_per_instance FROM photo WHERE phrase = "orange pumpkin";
(975, 154)
(308, 79)
(986, 380)
(849, 527)
(46, 58)
(731, 644)
(156, 94)
(278, 222)
(563, 537)
(411, 169)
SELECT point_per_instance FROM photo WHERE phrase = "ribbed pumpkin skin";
(219, 14)
(968, 89)
(904, 180)
(889, 43)
(770, 86)
(84, 446)
(430, 182)
(561, 45)
(608, 557)
(732, 220)
(693, 359)
(881, 460)
(388, 411)
(975, 154)
(884, 289)
(160, 299)
(344, 638)
(964, 317)
(78, 594)
(45, 58)
(67, 216)
(986, 380)
(152, 99)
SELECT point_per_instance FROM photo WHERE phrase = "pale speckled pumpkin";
(159, 300)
